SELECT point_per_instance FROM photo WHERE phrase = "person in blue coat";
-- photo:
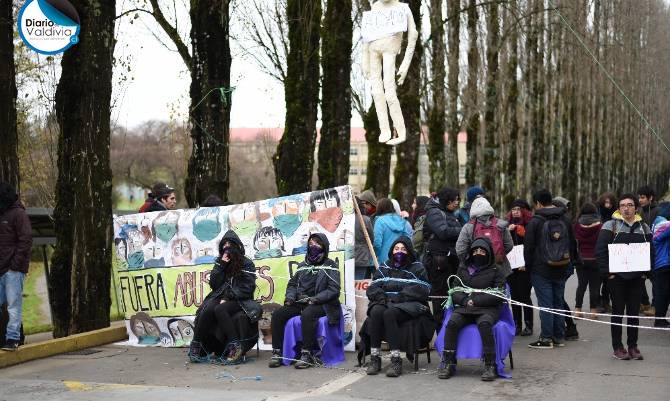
(389, 226)
(661, 285)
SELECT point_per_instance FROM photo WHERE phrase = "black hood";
(551, 212)
(434, 204)
(232, 237)
(481, 243)
(408, 244)
(321, 239)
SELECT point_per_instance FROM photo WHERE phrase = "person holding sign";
(312, 292)
(519, 281)
(219, 325)
(625, 252)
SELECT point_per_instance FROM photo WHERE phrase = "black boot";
(447, 366)
(395, 369)
(490, 372)
(375, 365)
(528, 330)
(571, 333)
(306, 360)
(275, 360)
(196, 353)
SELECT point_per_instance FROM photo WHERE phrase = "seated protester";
(233, 282)
(480, 271)
(312, 292)
(399, 292)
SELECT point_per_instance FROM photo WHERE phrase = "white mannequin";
(381, 53)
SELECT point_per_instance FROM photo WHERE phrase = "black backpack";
(554, 242)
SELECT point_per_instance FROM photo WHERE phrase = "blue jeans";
(549, 294)
(11, 293)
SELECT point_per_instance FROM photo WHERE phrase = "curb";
(57, 346)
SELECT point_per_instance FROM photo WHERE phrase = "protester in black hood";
(440, 233)
(312, 292)
(606, 206)
(218, 322)
(398, 293)
(479, 271)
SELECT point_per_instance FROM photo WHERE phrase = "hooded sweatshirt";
(618, 231)
(388, 228)
(586, 234)
(532, 241)
(15, 239)
(441, 229)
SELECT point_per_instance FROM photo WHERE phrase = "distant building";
(262, 141)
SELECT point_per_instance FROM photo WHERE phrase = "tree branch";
(172, 33)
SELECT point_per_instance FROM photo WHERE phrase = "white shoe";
(396, 141)
(385, 136)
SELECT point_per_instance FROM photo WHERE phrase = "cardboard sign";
(379, 24)
(625, 258)
(515, 257)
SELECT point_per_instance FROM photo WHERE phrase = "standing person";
(398, 293)
(472, 193)
(369, 203)
(233, 282)
(312, 292)
(364, 265)
(440, 232)
(661, 233)
(417, 220)
(571, 333)
(606, 207)
(549, 247)
(165, 199)
(15, 243)
(151, 197)
(586, 229)
(519, 281)
(647, 209)
(212, 201)
(626, 227)
(389, 226)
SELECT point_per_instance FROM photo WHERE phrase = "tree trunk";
(406, 171)
(512, 118)
(471, 104)
(453, 11)
(333, 166)
(208, 166)
(79, 285)
(436, 111)
(490, 167)
(379, 156)
(9, 150)
(294, 159)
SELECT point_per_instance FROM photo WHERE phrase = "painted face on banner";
(347, 202)
(153, 254)
(268, 243)
(244, 220)
(146, 229)
(165, 225)
(121, 252)
(181, 252)
(145, 328)
(325, 209)
(287, 216)
(205, 256)
(206, 224)
(134, 242)
(345, 242)
(181, 332)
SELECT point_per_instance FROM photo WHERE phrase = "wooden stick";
(365, 233)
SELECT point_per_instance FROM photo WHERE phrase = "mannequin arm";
(412, 36)
(366, 60)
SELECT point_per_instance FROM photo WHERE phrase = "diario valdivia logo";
(48, 26)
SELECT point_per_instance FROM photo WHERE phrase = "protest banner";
(162, 260)
(625, 258)
(515, 257)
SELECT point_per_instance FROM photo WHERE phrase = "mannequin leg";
(378, 96)
(392, 98)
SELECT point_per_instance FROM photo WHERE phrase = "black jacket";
(617, 231)
(320, 283)
(156, 206)
(531, 242)
(441, 229)
(15, 239)
(490, 276)
(410, 297)
(240, 288)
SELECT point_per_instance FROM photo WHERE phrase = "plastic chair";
(329, 339)
(469, 345)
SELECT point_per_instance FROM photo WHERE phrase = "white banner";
(625, 258)
(515, 257)
(379, 24)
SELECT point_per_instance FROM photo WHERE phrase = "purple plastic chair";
(469, 345)
(329, 339)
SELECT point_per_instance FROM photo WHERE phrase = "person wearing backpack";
(549, 248)
(483, 224)
(626, 227)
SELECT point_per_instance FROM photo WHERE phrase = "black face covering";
(480, 260)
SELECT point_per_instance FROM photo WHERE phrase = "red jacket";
(586, 237)
(16, 239)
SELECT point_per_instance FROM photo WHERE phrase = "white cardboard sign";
(379, 24)
(625, 258)
(515, 257)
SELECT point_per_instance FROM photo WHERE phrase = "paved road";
(583, 370)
